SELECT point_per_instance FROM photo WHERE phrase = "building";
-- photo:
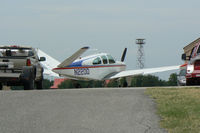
(57, 82)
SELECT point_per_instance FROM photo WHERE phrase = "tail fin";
(49, 64)
(72, 58)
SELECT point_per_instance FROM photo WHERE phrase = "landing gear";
(77, 85)
(125, 84)
(122, 82)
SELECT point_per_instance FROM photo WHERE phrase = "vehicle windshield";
(182, 72)
(16, 52)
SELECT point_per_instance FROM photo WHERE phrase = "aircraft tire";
(78, 85)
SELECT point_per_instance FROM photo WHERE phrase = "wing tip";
(85, 47)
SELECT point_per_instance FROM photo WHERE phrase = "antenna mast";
(140, 52)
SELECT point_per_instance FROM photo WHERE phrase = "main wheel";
(77, 85)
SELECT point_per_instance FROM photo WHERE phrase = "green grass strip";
(179, 108)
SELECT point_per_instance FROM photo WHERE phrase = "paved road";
(78, 111)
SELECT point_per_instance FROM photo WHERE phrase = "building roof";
(57, 82)
(191, 45)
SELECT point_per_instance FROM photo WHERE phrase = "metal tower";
(140, 52)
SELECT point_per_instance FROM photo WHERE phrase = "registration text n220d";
(81, 71)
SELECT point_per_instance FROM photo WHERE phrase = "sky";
(60, 27)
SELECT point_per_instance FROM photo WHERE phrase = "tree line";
(136, 81)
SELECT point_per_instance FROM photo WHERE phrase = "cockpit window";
(97, 61)
(111, 59)
(105, 60)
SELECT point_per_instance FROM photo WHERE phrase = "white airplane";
(94, 67)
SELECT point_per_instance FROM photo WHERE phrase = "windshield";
(182, 72)
(111, 59)
(104, 58)
(97, 61)
(16, 52)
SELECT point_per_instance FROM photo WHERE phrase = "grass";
(179, 108)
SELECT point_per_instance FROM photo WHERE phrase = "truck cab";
(193, 66)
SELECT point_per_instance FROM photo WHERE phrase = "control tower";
(140, 52)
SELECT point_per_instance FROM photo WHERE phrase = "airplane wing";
(49, 64)
(72, 58)
(141, 72)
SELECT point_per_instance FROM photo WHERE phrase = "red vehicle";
(193, 66)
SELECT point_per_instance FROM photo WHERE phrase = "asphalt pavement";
(107, 110)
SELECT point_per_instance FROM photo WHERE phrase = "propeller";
(123, 55)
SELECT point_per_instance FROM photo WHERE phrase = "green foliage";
(17, 87)
(80, 84)
(66, 84)
(137, 81)
(179, 108)
(147, 81)
(112, 83)
(97, 83)
(123, 82)
(47, 84)
(172, 80)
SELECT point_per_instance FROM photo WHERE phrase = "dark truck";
(20, 66)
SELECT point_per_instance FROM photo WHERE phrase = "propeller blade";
(124, 55)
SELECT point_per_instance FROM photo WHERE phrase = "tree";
(112, 83)
(172, 80)
(97, 84)
(123, 82)
(80, 84)
(66, 84)
(147, 81)
(47, 84)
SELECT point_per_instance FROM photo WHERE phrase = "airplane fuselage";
(95, 67)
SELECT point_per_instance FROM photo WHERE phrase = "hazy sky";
(60, 27)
